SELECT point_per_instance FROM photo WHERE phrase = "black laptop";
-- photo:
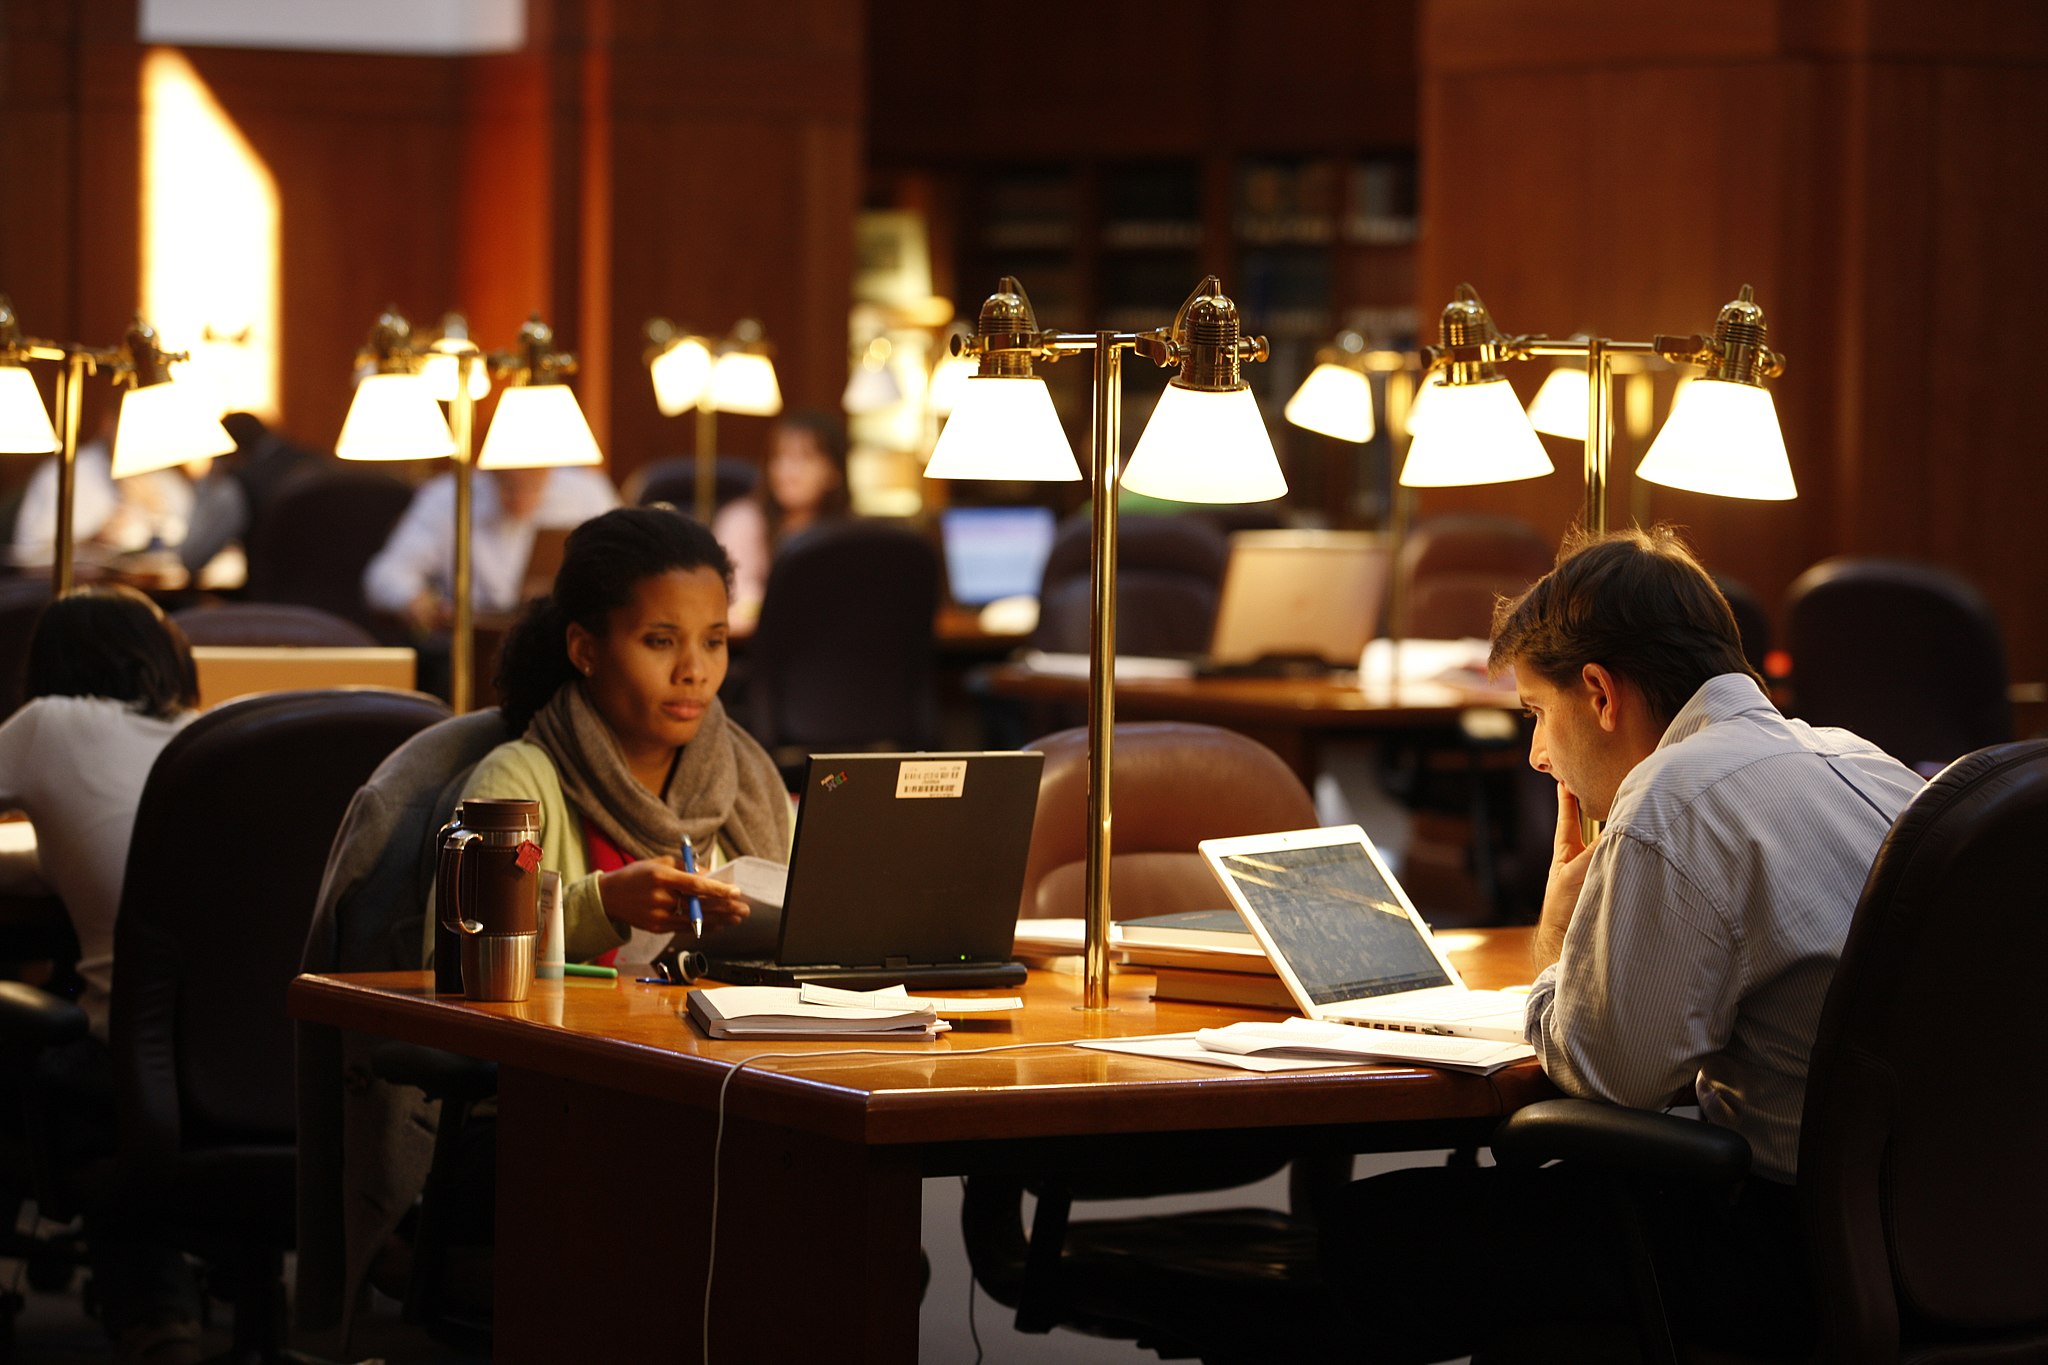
(907, 868)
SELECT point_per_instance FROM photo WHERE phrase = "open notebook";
(1344, 937)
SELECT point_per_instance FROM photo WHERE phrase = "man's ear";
(1605, 695)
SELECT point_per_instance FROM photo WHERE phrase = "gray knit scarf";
(723, 785)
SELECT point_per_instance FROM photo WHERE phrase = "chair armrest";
(441, 1075)
(37, 1019)
(1625, 1141)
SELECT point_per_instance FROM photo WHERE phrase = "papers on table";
(813, 1011)
(1303, 1044)
(1129, 667)
(897, 998)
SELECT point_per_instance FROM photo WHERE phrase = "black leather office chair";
(1907, 655)
(1222, 1283)
(1921, 1187)
(1169, 576)
(21, 602)
(674, 481)
(230, 838)
(371, 1137)
(843, 655)
(320, 534)
(269, 623)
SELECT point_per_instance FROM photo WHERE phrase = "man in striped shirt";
(1687, 948)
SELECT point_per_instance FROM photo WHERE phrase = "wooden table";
(1288, 715)
(609, 1121)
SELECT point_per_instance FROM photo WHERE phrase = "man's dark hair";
(1635, 602)
(111, 642)
(604, 560)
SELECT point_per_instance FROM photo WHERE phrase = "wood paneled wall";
(1870, 166)
(639, 157)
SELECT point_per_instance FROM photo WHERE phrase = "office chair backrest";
(270, 623)
(674, 481)
(230, 839)
(321, 532)
(1920, 1158)
(1752, 622)
(1454, 568)
(1907, 655)
(365, 1145)
(21, 602)
(1169, 577)
(1175, 785)
(843, 655)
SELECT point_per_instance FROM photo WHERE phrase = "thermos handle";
(452, 882)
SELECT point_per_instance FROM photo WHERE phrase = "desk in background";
(1290, 716)
(607, 1105)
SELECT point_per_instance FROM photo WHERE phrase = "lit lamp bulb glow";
(1722, 438)
(1206, 447)
(394, 417)
(949, 382)
(24, 423)
(1559, 407)
(442, 369)
(164, 425)
(1474, 433)
(538, 425)
(743, 381)
(1004, 427)
(680, 373)
(1335, 400)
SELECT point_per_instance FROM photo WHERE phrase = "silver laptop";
(1345, 938)
(1306, 597)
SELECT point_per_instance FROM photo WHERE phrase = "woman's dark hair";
(1635, 602)
(602, 562)
(828, 434)
(115, 643)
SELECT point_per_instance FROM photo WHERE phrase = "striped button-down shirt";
(1712, 916)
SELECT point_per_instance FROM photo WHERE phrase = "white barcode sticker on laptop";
(942, 777)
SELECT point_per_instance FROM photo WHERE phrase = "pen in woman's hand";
(696, 902)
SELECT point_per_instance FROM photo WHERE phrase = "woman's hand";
(654, 894)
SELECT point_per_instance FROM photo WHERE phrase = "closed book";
(778, 1012)
(1190, 929)
(1266, 992)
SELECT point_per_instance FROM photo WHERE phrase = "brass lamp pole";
(1205, 343)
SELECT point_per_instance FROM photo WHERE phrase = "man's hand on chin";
(1568, 859)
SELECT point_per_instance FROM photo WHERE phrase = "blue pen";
(696, 904)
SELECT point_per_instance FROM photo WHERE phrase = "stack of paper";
(825, 1012)
(1301, 1044)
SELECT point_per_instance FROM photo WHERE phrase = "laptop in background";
(1346, 940)
(995, 552)
(1299, 601)
(907, 868)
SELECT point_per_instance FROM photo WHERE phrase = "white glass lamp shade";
(870, 388)
(1004, 428)
(538, 425)
(1335, 400)
(1474, 433)
(949, 382)
(1206, 447)
(163, 425)
(745, 383)
(1559, 407)
(24, 423)
(680, 373)
(394, 417)
(441, 370)
(1722, 438)
(1418, 407)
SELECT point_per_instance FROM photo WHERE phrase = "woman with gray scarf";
(611, 682)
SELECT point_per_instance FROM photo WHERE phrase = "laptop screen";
(1301, 594)
(1336, 918)
(994, 552)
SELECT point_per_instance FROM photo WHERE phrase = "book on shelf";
(1203, 986)
(782, 1012)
